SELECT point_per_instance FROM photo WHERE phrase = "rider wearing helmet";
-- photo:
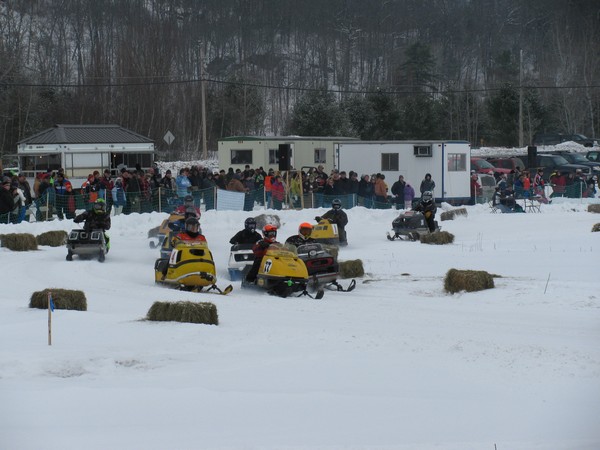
(95, 219)
(427, 206)
(336, 216)
(248, 235)
(260, 249)
(179, 225)
(192, 231)
(188, 202)
(303, 236)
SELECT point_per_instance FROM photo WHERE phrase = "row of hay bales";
(182, 311)
(23, 242)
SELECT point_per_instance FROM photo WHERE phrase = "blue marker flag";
(51, 303)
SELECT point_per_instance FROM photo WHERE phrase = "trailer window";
(389, 162)
(457, 162)
(273, 157)
(320, 156)
(241, 156)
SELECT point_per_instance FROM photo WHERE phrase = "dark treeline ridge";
(377, 69)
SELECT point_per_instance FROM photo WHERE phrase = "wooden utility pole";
(203, 101)
(521, 99)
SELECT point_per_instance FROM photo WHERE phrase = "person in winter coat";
(192, 232)
(336, 216)
(278, 192)
(381, 189)
(183, 183)
(428, 208)
(303, 236)
(7, 203)
(427, 184)
(260, 249)
(119, 197)
(95, 219)
(398, 192)
(70, 204)
(475, 187)
(409, 195)
(235, 184)
(248, 235)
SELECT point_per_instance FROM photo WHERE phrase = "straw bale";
(596, 227)
(62, 298)
(351, 269)
(467, 280)
(18, 242)
(453, 213)
(184, 311)
(594, 208)
(56, 238)
(437, 238)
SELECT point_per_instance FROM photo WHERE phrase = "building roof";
(86, 134)
(288, 138)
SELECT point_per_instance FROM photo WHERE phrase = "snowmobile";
(241, 256)
(323, 268)
(164, 230)
(326, 232)
(189, 267)
(281, 273)
(87, 244)
(409, 226)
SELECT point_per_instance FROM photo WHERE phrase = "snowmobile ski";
(335, 286)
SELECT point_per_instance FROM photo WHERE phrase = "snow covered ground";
(395, 364)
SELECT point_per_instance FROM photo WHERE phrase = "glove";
(263, 244)
(428, 214)
(318, 218)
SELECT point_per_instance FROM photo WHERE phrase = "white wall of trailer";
(448, 162)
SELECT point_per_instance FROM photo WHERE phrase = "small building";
(263, 151)
(81, 149)
(448, 162)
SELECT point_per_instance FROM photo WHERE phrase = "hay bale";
(56, 238)
(153, 232)
(19, 242)
(264, 219)
(437, 238)
(453, 213)
(594, 208)
(62, 298)
(190, 312)
(351, 269)
(467, 280)
(596, 228)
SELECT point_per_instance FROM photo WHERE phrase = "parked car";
(547, 139)
(551, 163)
(480, 165)
(578, 158)
(593, 155)
(507, 163)
(579, 139)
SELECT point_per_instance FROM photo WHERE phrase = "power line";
(395, 90)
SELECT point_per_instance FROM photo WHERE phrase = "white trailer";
(448, 162)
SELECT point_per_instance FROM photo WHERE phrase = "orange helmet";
(305, 229)
(270, 232)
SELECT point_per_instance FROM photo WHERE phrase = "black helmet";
(192, 226)
(190, 211)
(250, 224)
(427, 197)
(336, 204)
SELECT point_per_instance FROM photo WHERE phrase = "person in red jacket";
(259, 250)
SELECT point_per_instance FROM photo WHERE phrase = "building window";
(389, 162)
(457, 162)
(320, 156)
(422, 150)
(241, 156)
(273, 156)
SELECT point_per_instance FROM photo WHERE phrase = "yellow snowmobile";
(164, 230)
(282, 273)
(326, 232)
(189, 267)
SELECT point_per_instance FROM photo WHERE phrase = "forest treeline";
(376, 69)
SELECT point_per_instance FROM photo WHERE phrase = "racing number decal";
(268, 265)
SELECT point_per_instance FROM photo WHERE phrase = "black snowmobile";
(409, 226)
(87, 245)
(323, 268)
